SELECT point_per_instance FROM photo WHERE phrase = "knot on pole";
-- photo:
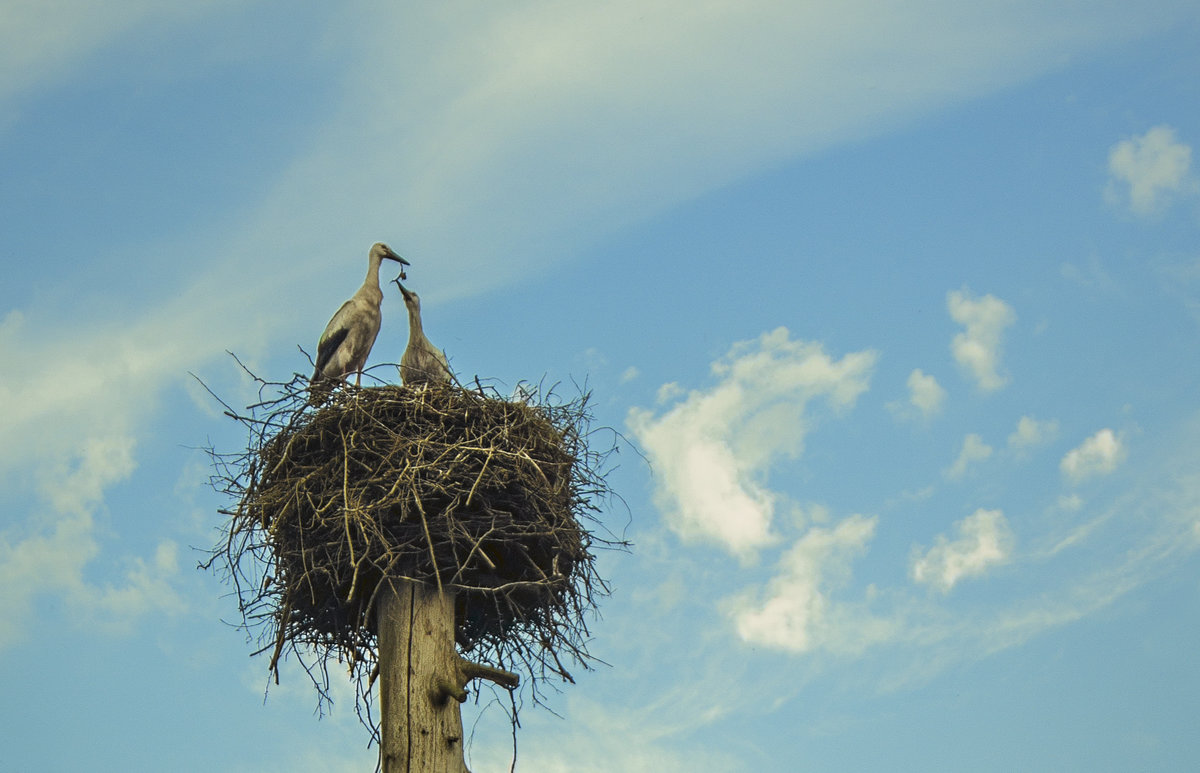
(465, 670)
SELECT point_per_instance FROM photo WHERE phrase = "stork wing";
(328, 345)
(335, 332)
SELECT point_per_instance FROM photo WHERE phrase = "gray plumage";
(422, 363)
(349, 336)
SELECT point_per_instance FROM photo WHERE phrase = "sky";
(896, 306)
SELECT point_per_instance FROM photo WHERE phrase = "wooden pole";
(422, 680)
(421, 728)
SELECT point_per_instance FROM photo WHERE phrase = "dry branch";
(494, 499)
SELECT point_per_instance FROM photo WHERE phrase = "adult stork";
(422, 363)
(349, 336)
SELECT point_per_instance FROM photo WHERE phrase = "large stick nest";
(486, 497)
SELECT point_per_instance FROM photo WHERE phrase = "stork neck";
(373, 272)
(415, 330)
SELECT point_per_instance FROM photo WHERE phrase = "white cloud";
(710, 452)
(924, 636)
(973, 450)
(1031, 432)
(1147, 171)
(1098, 455)
(797, 613)
(925, 395)
(984, 541)
(668, 392)
(977, 349)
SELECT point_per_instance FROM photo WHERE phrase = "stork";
(422, 363)
(349, 336)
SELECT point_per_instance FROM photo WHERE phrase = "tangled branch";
(496, 500)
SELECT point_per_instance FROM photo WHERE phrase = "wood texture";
(421, 725)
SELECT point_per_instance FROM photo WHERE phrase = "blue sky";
(899, 301)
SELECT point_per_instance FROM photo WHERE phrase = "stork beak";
(403, 291)
(402, 263)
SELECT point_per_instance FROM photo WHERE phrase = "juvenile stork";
(422, 363)
(349, 336)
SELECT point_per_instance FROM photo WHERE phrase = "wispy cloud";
(977, 349)
(1031, 432)
(86, 400)
(42, 42)
(1070, 502)
(648, 737)
(711, 451)
(538, 124)
(46, 556)
(973, 450)
(984, 541)
(661, 732)
(1148, 171)
(1098, 455)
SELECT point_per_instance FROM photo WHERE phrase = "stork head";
(411, 299)
(379, 251)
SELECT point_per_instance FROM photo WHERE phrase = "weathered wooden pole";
(422, 680)
(420, 729)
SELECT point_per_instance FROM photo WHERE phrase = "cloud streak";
(43, 42)
(540, 124)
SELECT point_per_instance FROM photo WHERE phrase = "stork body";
(422, 363)
(349, 336)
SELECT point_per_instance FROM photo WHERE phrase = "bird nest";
(492, 499)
